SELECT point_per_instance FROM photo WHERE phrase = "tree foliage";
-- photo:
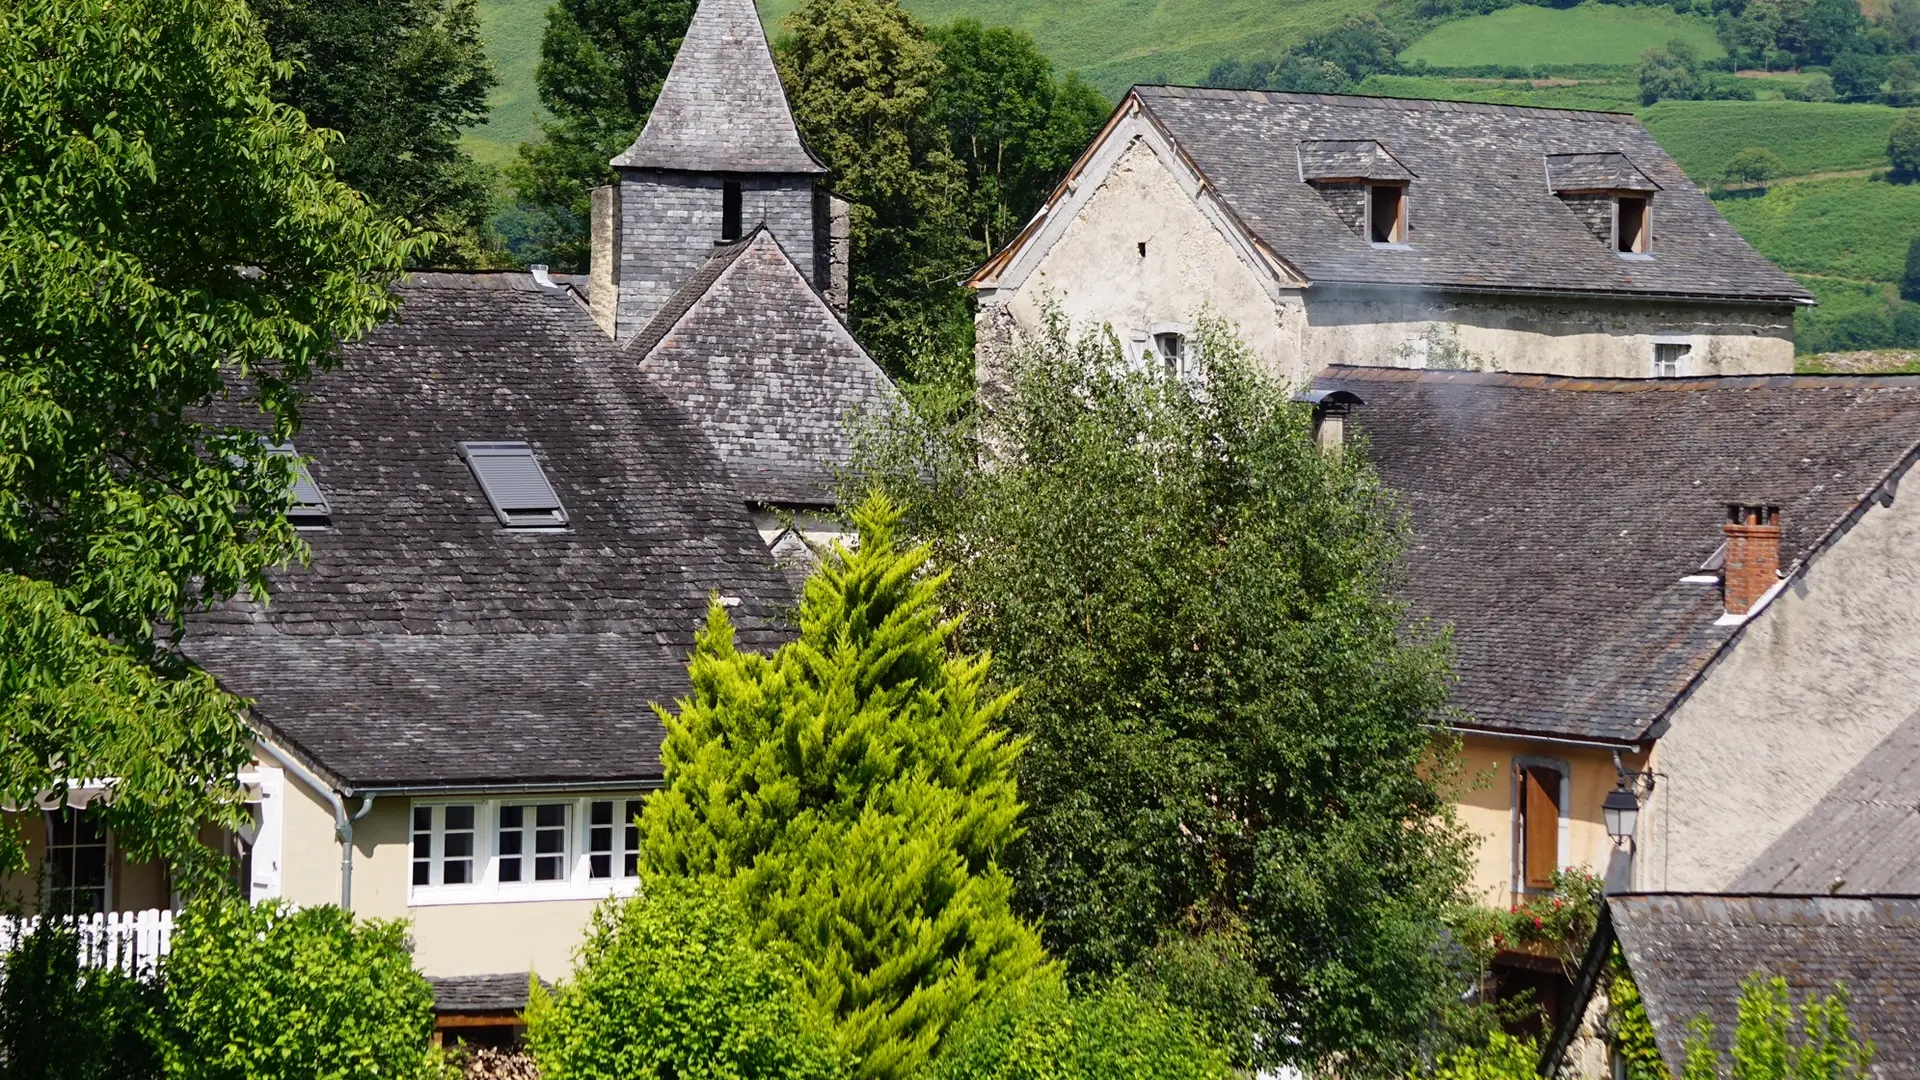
(1501, 1057)
(62, 1020)
(170, 237)
(854, 795)
(267, 992)
(1754, 165)
(1903, 146)
(602, 64)
(1764, 1048)
(1227, 721)
(668, 985)
(861, 76)
(1109, 1033)
(397, 79)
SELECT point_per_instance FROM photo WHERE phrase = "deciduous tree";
(854, 794)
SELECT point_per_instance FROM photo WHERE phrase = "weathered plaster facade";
(1138, 242)
(1487, 803)
(1814, 681)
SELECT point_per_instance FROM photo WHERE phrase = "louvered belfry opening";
(515, 485)
(308, 507)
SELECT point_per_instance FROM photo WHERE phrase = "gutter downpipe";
(342, 824)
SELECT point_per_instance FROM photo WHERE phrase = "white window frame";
(107, 854)
(623, 840)
(576, 883)
(1683, 366)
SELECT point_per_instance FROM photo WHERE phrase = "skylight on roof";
(514, 484)
(309, 504)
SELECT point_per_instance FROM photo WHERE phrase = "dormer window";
(730, 211)
(307, 504)
(1632, 224)
(1387, 213)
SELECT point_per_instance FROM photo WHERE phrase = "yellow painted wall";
(1485, 802)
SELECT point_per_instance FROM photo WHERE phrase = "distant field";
(512, 30)
(1602, 96)
(1588, 34)
(1811, 137)
(1851, 228)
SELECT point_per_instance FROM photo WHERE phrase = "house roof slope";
(1480, 212)
(1863, 837)
(1553, 519)
(756, 357)
(1690, 952)
(722, 108)
(428, 645)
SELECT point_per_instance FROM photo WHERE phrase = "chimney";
(603, 267)
(1753, 554)
(832, 248)
(1330, 409)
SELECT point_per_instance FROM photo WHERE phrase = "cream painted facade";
(1811, 685)
(1136, 241)
(1488, 804)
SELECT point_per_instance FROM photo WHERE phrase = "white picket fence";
(128, 941)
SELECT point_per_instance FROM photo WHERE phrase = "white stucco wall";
(1817, 680)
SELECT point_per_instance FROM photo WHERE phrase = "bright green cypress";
(855, 792)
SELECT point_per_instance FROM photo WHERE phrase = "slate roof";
(1863, 837)
(1335, 159)
(766, 369)
(1479, 213)
(722, 108)
(1690, 952)
(471, 994)
(428, 645)
(1553, 519)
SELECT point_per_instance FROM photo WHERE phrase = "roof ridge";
(722, 107)
(1595, 384)
(685, 298)
(1371, 101)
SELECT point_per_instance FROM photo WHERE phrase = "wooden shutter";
(1540, 807)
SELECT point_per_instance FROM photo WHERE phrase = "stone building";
(1393, 233)
(521, 495)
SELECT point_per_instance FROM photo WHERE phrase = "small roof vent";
(515, 484)
(308, 505)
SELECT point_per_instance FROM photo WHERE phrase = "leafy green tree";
(1010, 123)
(861, 76)
(602, 63)
(1903, 146)
(1501, 1057)
(853, 793)
(1228, 723)
(1763, 1044)
(668, 986)
(1857, 76)
(397, 79)
(1110, 1033)
(1629, 1030)
(61, 1020)
(268, 992)
(1910, 274)
(169, 236)
(1754, 165)
(1670, 74)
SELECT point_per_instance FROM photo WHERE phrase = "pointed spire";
(722, 108)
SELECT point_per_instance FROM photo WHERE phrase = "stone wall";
(670, 223)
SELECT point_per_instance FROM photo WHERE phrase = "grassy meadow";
(512, 30)
(1588, 34)
(1810, 137)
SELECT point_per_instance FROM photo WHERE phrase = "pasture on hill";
(512, 30)
(1589, 34)
(1854, 227)
(1809, 136)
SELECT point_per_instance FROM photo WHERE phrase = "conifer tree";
(855, 794)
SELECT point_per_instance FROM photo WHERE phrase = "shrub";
(268, 992)
(1906, 326)
(1903, 146)
(668, 986)
(1754, 165)
(1114, 1033)
(1503, 1057)
(1817, 88)
(60, 1021)
(1763, 1044)
(1859, 330)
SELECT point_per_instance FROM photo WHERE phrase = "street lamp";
(1622, 810)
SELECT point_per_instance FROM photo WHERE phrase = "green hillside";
(1810, 137)
(512, 30)
(1851, 228)
(1588, 34)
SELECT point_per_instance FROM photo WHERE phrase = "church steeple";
(722, 108)
(718, 157)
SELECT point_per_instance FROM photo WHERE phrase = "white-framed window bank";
(475, 851)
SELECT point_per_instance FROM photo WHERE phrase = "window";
(1170, 349)
(443, 845)
(76, 862)
(1540, 799)
(309, 503)
(730, 200)
(1670, 359)
(533, 843)
(1387, 213)
(514, 484)
(613, 843)
(1632, 228)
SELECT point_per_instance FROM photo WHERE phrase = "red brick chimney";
(1753, 554)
